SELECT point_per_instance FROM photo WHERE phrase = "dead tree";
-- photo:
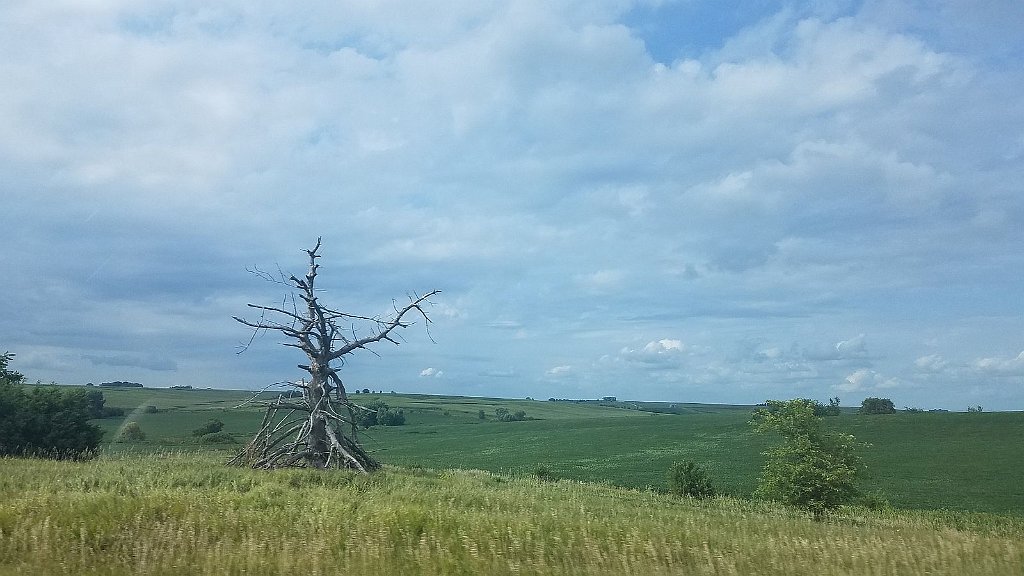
(314, 429)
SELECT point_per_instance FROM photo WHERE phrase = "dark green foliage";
(111, 412)
(504, 415)
(6, 375)
(975, 408)
(217, 438)
(120, 384)
(832, 409)
(481, 415)
(150, 409)
(211, 427)
(812, 468)
(689, 479)
(378, 413)
(877, 406)
(543, 472)
(48, 422)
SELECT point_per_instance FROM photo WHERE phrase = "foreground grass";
(188, 514)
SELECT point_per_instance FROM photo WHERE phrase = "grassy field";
(955, 461)
(188, 514)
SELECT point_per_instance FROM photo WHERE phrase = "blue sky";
(685, 201)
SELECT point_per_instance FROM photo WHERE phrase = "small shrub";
(543, 472)
(151, 409)
(112, 412)
(211, 427)
(875, 501)
(217, 438)
(689, 479)
(481, 415)
(131, 432)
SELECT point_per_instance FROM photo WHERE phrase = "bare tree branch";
(314, 328)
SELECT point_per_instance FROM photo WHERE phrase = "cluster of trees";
(503, 415)
(45, 421)
(120, 384)
(378, 413)
(877, 406)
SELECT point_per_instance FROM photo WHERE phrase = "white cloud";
(559, 370)
(931, 363)
(431, 373)
(1001, 366)
(865, 380)
(852, 347)
(791, 182)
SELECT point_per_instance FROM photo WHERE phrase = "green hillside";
(953, 461)
(188, 514)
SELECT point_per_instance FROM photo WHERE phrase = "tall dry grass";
(189, 514)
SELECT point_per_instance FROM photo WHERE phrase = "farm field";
(954, 461)
(177, 513)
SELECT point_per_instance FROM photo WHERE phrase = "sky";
(687, 201)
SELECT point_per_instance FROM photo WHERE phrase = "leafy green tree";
(877, 406)
(9, 375)
(46, 421)
(811, 468)
(689, 479)
(379, 413)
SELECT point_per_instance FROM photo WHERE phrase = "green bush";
(131, 432)
(812, 468)
(217, 438)
(544, 473)
(378, 413)
(504, 415)
(689, 479)
(46, 421)
(211, 427)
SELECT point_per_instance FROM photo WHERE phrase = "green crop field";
(954, 461)
(177, 513)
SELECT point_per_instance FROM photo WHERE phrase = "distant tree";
(210, 427)
(974, 408)
(503, 415)
(811, 468)
(877, 406)
(689, 479)
(378, 413)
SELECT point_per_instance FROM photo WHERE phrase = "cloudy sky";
(695, 201)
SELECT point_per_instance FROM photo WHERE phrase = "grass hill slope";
(188, 514)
